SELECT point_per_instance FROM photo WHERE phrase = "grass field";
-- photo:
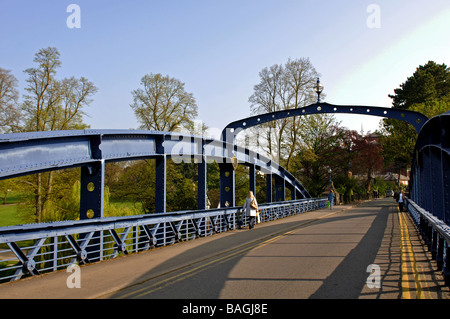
(9, 215)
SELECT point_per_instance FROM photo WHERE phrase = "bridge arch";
(35, 152)
(416, 119)
(430, 172)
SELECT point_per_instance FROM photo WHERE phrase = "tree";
(9, 96)
(51, 104)
(428, 88)
(283, 87)
(430, 81)
(163, 104)
(433, 107)
(318, 150)
(368, 158)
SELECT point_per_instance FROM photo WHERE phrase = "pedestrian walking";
(251, 208)
(331, 197)
(401, 201)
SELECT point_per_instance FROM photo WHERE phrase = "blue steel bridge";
(35, 249)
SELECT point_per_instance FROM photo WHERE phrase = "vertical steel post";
(160, 177)
(280, 192)
(446, 264)
(427, 169)
(252, 178)
(92, 203)
(293, 191)
(446, 186)
(437, 183)
(202, 184)
(92, 190)
(227, 187)
(269, 191)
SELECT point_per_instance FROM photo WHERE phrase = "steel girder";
(28, 153)
(430, 189)
(414, 118)
(430, 173)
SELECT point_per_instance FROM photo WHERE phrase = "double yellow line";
(409, 267)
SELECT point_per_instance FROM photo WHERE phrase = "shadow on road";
(167, 280)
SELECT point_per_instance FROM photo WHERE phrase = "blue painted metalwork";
(430, 173)
(94, 237)
(414, 118)
(57, 245)
(436, 234)
(26, 153)
(430, 189)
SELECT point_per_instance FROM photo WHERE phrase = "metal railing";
(35, 249)
(436, 234)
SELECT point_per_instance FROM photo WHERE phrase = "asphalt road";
(318, 255)
(322, 255)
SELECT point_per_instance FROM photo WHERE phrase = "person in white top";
(401, 201)
(251, 208)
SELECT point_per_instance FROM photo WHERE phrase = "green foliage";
(163, 104)
(433, 107)
(9, 215)
(426, 91)
(429, 82)
(134, 182)
(321, 137)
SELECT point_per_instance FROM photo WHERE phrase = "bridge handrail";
(420, 215)
(435, 233)
(57, 245)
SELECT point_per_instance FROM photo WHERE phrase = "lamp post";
(319, 89)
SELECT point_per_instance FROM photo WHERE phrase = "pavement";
(364, 251)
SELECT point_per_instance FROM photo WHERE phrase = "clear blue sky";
(217, 48)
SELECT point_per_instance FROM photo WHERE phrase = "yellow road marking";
(408, 262)
(189, 273)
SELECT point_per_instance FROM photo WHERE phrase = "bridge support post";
(202, 184)
(92, 203)
(252, 178)
(446, 186)
(160, 177)
(446, 265)
(437, 183)
(427, 201)
(92, 190)
(269, 190)
(280, 192)
(293, 192)
(160, 190)
(227, 187)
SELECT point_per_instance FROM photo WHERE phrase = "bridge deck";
(322, 254)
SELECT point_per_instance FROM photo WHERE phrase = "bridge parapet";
(436, 234)
(430, 172)
(40, 248)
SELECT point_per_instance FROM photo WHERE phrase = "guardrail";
(35, 249)
(436, 234)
